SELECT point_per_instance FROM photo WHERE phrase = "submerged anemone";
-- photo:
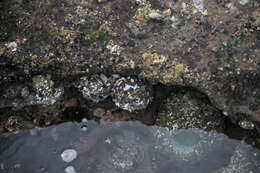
(187, 144)
(184, 143)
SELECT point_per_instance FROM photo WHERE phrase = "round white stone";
(70, 169)
(69, 155)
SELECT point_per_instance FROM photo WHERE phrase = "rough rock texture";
(244, 159)
(213, 46)
(185, 110)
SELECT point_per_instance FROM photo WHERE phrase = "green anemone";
(187, 144)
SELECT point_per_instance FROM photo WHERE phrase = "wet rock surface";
(213, 46)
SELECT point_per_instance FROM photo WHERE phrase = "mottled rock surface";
(213, 46)
(185, 110)
(244, 159)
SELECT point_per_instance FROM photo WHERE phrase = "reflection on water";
(124, 147)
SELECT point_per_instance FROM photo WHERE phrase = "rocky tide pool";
(142, 86)
(114, 124)
(109, 147)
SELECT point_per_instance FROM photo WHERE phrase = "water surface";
(114, 147)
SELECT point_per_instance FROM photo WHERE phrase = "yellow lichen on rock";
(108, 27)
(141, 15)
(153, 60)
(153, 63)
(176, 73)
(160, 70)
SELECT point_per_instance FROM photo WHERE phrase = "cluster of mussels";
(127, 93)
(42, 91)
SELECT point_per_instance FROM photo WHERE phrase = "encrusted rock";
(131, 94)
(17, 122)
(184, 110)
(14, 123)
(95, 88)
(209, 45)
(46, 92)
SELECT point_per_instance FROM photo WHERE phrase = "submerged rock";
(131, 94)
(183, 110)
(123, 158)
(70, 169)
(69, 155)
(244, 159)
(128, 153)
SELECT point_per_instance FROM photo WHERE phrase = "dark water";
(118, 147)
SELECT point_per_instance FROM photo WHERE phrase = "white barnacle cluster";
(45, 91)
(95, 88)
(140, 2)
(114, 49)
(127, 93)
(12, 46)
(78, 17)
(198, 4)
(243, 2)
(131, 94)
